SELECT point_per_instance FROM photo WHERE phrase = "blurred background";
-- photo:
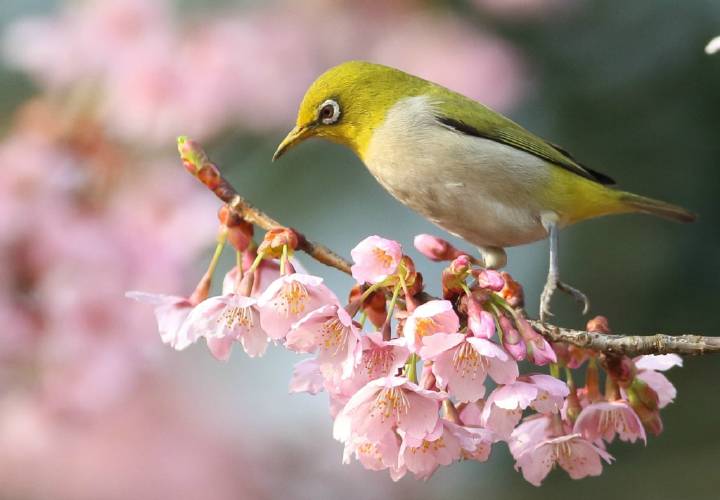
(93, 202)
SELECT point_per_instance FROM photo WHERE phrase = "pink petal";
(536, 464)
(220, 347)
(659, 362)
(661, 385)
(503, 372)
(515, 395)
(375, 259)
(488, 348)
(306, 377)
(465, 386)
(583, 461)
(434, 345)
(421, 417)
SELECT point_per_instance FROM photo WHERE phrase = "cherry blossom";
(170, 313)
(605, 420)
(375, 259)
(461, 363)
(385, 404)
(290, 298)
(579, 458)
(330, 331)
(224, 319)
(434, 316)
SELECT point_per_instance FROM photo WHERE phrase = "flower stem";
(283, 260)
(393, 300)
(370, 290)
(411, 368)
(221, 239)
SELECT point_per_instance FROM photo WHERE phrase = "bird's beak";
(296, 135)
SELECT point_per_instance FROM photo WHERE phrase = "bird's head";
(347, 103)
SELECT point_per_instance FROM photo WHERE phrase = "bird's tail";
(637, 203)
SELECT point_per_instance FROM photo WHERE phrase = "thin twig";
(628, 345)
(631, 345)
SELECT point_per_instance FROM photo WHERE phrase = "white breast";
(475, 188)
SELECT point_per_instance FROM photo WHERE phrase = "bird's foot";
(552, 284)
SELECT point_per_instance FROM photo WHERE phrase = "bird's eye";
(329, 112)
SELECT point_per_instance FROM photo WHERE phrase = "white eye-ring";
(329, 112)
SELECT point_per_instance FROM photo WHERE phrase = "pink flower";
(224, 319)
(423, 455)
(288, 299)
(434, 316)
(649, 368)
(382, 358)
(504, 408)
(386, 404)
(375, 259)
(528, 434)
(306, 377)
(461, 363)
(329, 330)
(579, 457)
(539, 351)
(434, 248)
(606, 419)
(170, 313)
(376, 455)
(480, 322)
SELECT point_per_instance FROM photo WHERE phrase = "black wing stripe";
(502, 138)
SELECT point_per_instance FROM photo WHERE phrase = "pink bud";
(512, 341)
(454, 276)
(491, 280)
(539, 350)
(191, 154)
(480, 322)
(434, 248)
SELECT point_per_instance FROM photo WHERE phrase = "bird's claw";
(576, 294)
(555, 284)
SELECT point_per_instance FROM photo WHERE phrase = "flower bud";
(644, 401)
(512, 341)
(209, 175)
(512, 292)
(191, 154)
(435, 248)
(275, 239)
(454, 276)
(599, 324)
(489, 279)
(539, 351)
(480, 322)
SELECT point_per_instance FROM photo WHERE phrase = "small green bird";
(468, 169)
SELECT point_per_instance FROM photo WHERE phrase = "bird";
(468, 169)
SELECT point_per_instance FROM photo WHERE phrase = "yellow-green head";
(346, 103)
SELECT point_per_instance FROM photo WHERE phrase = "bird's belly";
(482, 191)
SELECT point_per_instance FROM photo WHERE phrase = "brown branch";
(227, 193)
(628, 345)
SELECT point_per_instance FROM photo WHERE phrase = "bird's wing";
(472, 118)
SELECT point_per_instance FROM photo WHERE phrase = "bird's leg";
(553, 279)
(493, 257)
